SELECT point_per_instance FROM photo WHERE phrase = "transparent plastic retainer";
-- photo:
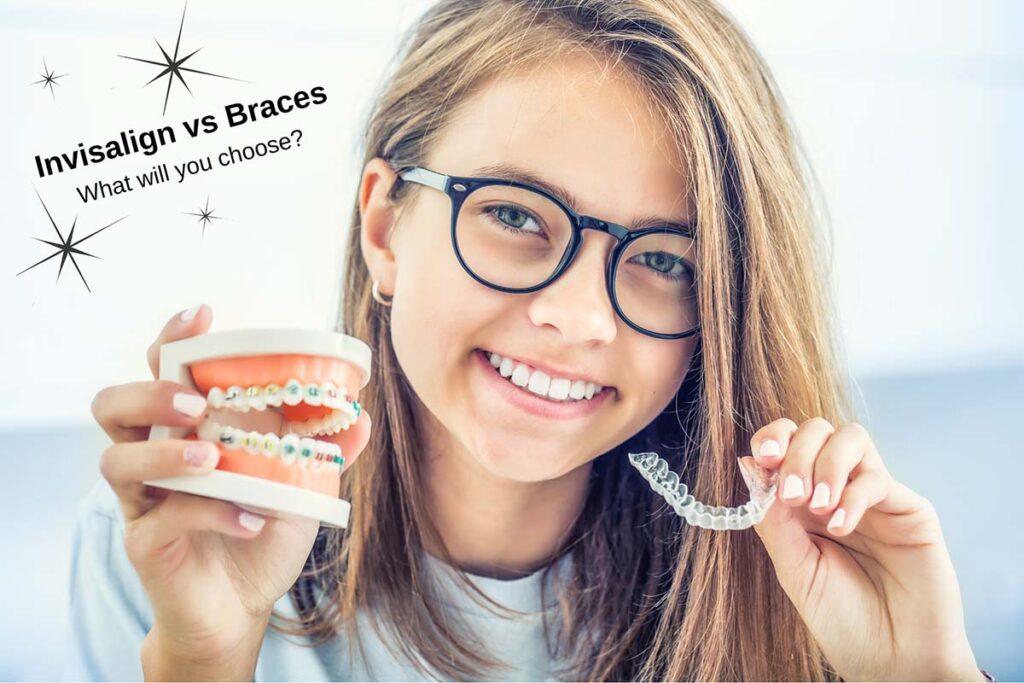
(761, 483)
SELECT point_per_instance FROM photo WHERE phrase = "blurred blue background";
(911, 115)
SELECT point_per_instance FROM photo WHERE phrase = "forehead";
(580, 125)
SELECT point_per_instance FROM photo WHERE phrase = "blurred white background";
(910, 113)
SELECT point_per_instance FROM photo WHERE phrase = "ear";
(377, 220)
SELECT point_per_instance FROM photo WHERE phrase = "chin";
(523, 461)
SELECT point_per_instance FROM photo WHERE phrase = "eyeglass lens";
(515, 238)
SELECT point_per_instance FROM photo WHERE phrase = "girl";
(582, 230)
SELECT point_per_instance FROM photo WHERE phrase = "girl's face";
(588, 131)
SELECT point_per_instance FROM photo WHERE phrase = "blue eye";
(664, 264)
(512, 218)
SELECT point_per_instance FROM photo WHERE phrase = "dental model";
(281, 408)
(761, 483)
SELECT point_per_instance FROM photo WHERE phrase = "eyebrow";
(507, 171)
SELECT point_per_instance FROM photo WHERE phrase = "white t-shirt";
(110, 616)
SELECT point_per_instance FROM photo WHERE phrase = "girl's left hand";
(877, 589)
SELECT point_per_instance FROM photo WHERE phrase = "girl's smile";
(492, 383)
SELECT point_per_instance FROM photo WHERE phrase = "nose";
(577, 302)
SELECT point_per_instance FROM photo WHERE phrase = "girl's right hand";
(212, 571)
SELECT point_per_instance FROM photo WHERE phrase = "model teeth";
(291, 448)
(344, 411)
(538, 382)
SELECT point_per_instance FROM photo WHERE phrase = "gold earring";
(378, 297)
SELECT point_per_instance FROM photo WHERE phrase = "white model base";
(261, 495)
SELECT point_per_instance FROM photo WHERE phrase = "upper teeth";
(538, 382)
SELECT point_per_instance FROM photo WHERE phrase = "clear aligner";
(666, 483)
(344, 411)
(290, 448)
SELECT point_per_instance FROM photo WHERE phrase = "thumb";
(788, 544)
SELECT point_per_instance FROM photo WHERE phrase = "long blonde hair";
(647, 596)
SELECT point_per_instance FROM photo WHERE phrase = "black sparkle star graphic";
(67, 248)
(172, 66)
(206, 215)
(49, 79)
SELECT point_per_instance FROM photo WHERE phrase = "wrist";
(166, 658)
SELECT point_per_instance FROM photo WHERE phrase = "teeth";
(234, 398)
(311, 394)
(521, 375)
(538, 382)
(578, 389)
(326, 425)
(251, 442)
(256, 398)
(331, 398)
(289, 448)
(293, 393)
(271, 445)
(559, 389)
(307, 449)
(209, 431)
(228, 438)
(313, 425)
(216, 397)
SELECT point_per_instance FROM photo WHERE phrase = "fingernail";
(250, 521)
(793, 488)
(187, 316)
(820, 497)
(192, 405)
(770, 447)
(838, 517)
(198, 454)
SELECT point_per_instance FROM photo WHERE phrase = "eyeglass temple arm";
(425, 176)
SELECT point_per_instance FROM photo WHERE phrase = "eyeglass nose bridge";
(619, 232)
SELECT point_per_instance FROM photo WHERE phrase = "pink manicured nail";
(820, 497)
(770, 448)
(837, 518)
(793, 488)
(192, 405)
(197, 454)
(250, 521)
(186, 317)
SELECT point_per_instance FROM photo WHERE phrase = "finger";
(188, 323)
(788, 544)
(769, 444)
(867, 489)
(126, 411)
(843, 452)
(797, 469)
(127, 465)
(151, 539)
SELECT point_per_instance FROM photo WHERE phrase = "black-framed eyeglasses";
(518, 238)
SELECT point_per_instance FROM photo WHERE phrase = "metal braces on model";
(761, 483)
(282, 412)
